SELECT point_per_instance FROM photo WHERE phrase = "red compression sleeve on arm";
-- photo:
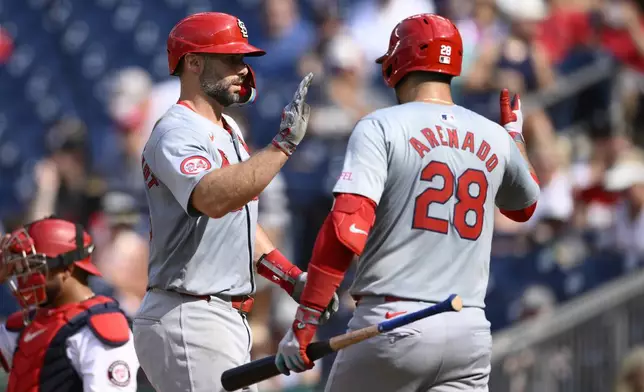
(331, 257)
(524, 214)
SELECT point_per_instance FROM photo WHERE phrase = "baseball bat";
(264, 368)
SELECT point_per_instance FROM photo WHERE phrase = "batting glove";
(291, 352)
(295, 119)
(511, 116)
(330, 310)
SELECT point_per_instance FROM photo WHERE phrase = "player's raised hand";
(295, 118)
(511, 116)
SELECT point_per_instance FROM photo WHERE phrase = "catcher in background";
(416, 202)
(66, 339)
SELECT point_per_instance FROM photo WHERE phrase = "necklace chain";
(438, 100)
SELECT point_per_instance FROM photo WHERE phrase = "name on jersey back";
(432, 138)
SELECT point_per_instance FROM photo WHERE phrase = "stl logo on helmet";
(242, 28)
(194, 165)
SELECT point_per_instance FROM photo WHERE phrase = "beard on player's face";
(218, 87)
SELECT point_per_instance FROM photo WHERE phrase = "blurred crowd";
(578, 65)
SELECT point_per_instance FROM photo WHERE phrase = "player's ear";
(194, 63)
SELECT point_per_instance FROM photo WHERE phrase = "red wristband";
(275, 267)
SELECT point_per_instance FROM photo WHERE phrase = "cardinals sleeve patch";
(195, 165)
(119, 373)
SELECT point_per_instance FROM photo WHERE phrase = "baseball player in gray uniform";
(416, 202)
(202, 187)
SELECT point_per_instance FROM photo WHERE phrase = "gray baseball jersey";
(436, 173)
(190, 252)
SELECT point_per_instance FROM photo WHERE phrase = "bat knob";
(456, 302)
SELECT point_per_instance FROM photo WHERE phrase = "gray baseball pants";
(447, 352)
(184, 344)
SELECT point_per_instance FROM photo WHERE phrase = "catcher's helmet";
(425, 42)
(212, 32)
(30, 252)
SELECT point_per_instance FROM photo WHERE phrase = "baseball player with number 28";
(416, 203)
(202, 189)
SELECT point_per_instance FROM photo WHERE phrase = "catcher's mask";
(31, 252)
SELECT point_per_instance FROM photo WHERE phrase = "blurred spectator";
(64, 185)
(536, 300)
(631, 372)
(627, 178)
(287, 37)
(555, 206)
(346, 96)
(478, 29)
(6, 46)
(371, 23)
(517, 63)
(135, 104)
(122, 257)
(622, 33)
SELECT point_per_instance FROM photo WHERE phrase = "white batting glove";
(511, 116)
(295, 119)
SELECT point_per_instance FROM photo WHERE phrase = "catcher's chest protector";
(40, 362)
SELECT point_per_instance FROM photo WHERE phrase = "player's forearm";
(263, 244)
(274, 266)
(231, 187)
(524, 154)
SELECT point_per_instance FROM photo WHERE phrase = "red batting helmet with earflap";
(216, 33)
(425, 42)
(30, 252)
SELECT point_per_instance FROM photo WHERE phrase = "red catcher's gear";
(30, 252)
(40, 362)
(212, 32)
(425, 42)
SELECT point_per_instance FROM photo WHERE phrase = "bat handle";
(265, 368)
(317, 350)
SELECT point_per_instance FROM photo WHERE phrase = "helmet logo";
(242, 28)
(445, 56)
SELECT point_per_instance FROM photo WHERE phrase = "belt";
(243, 303)
(385, 298)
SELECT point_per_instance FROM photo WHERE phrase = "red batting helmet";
(212, 32)
(30, 252)
(424, 42)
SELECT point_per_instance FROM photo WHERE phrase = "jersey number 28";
(465, 202)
